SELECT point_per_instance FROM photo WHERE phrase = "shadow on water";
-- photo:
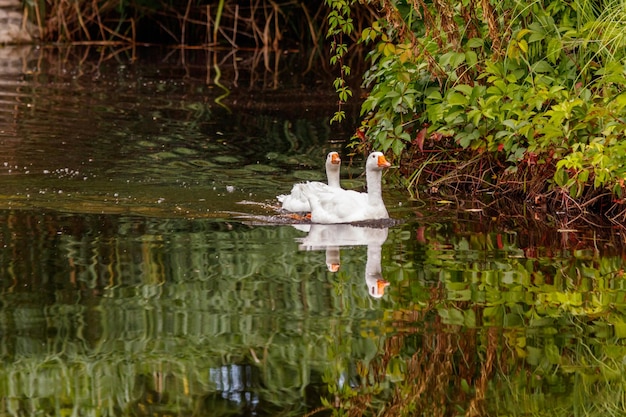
(133, 283)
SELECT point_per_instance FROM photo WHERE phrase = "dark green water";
(133, 282)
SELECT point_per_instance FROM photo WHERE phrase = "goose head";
(333, 158)
(376, 161)
(333, 165)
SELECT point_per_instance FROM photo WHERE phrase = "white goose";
(297, 202)
(335, 205)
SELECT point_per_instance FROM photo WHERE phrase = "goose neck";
(374, 179)
(333, 178)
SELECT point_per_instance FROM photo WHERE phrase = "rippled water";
(134, 282)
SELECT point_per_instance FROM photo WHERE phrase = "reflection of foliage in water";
(103, 315)
(486, 330)
(117, 315)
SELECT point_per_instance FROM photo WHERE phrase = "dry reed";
(251, 24)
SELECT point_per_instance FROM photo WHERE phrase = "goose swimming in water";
(297, 202)
(335, 205)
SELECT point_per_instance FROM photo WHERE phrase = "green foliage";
(339, 24)
(551, 92)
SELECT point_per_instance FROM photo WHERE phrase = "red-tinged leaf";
(360, 133)
(420, 234)
(419, 139)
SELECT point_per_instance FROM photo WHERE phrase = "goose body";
(296, 201)
(335, 205)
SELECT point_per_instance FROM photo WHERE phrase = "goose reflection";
(331, 237)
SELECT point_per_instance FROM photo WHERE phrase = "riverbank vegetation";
(517, 100)
(524, 101)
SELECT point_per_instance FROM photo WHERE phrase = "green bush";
(529, 84)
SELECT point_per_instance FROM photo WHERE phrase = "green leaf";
(458, 99)
(397, 147)
(389, 49)
(474, 116)
(554, 49)
(534, 355)
(457, 59)
(493, 315)
(470, 318)
(560, 177)
(435, 112)
(465, 140)
(542, 67)
(367, 32)
(471, 58)
(475, 43)
(444, 60)
(465, 89)
(435, 96)
(511, 124)
(575, 190)
(338, 116)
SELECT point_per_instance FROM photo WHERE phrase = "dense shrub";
(520, 85)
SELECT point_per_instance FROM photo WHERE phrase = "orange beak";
(381, 284)
(382, 162)
(335, 159)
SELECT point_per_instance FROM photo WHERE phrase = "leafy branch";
(339, 24)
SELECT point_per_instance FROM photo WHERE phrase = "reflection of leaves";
(620, 329)
(452, 316)
(553, 354)
(195, 307)
(535, 355)
(548, 331)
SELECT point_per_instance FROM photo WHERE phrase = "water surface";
(134, 282)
